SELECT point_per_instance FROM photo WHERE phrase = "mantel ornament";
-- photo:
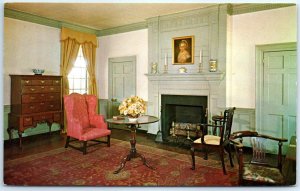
(182, 70)
(154, 68)
(213, 65)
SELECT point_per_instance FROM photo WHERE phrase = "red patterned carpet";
(66, 167)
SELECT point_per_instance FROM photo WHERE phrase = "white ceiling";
(101, 16)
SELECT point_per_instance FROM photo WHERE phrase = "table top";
(144, 119)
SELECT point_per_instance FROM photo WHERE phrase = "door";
(122, 81)
(279, 93)
(276, 87)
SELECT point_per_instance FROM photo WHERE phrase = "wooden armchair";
(83, 123)
(217, 140)
(257, 168)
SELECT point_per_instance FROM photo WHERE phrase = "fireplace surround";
(207, 85)
(181, 109)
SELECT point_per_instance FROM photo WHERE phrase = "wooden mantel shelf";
(203, 76)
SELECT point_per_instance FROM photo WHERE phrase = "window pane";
(83, 84)
(71, 83)
(78, 75)
(76, 71)
(77, 84)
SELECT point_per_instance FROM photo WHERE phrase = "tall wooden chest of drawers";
(34, 99)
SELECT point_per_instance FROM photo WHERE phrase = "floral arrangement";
(132, 107)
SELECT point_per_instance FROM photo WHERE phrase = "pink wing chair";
(83, 123)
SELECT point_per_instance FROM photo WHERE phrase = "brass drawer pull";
(51, 89)
(27, 119)
(51, 106)
(31, 107)
(43, 87)
(42, 103)
(32, 89)
(32, 98)
(42, 81)
(42, 95)
(27, 81)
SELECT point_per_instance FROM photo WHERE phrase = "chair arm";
(98, 121)
(240, 134)
(237, 144)
(273, 138)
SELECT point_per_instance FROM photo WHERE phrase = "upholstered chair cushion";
(210, 140)
(94, 133)
(255, 173)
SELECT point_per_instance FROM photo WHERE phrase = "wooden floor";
(45, 142)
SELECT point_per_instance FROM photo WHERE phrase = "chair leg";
(230, 156)
(84, 147)
(222, 160)
(67, 142)
(108, 140)
(193, 158)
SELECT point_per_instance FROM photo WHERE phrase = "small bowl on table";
(38, 71)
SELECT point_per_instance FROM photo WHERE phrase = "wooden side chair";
(257, 168)
(215, 136)
(83, 124)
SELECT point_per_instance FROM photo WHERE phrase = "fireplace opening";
(181, 116)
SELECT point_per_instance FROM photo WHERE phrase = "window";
(78, 77)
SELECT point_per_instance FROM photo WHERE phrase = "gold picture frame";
(183, 50)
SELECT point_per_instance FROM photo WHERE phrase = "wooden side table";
(133, 126)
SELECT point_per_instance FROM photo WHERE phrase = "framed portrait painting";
(183, 50)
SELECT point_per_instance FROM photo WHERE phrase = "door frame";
(260, 50)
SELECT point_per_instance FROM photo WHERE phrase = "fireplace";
(205, 89)
(184, 111)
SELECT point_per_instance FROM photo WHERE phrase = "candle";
(166, 61)
(200, 56)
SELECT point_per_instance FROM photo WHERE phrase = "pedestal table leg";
(133, 153)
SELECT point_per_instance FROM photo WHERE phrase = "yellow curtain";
(89, 54)
(80, 37)
(69, 52)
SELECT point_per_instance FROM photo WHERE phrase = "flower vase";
(131, 119)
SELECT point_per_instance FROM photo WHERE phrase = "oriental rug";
(69, 167)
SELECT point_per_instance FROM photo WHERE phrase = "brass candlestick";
(200, 67)
(173, 127)
(165, 69)
(188, 132)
